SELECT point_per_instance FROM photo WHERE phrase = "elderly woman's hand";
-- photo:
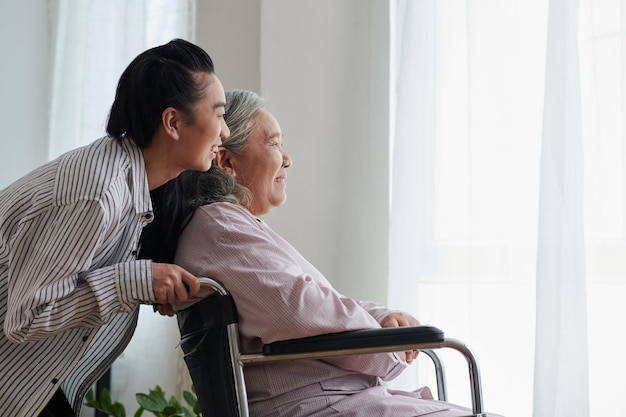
(399, 319)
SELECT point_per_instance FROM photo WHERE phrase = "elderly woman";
(278, 293)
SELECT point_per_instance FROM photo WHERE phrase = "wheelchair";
(209, 330)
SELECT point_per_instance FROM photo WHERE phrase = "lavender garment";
(280, 295)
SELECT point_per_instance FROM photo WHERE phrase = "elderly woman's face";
(261, 165)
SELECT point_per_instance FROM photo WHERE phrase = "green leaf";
(158, 390)
(152, 403)
(90, 397)
(188, 413)
(92, 404)
(105, 399)
(118, 409)
(190, 398)
(171, 411)
(175, 403)
(158, 394)
(114, 409)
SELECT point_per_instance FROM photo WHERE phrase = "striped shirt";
(70, 281)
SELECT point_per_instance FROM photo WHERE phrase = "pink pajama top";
(279, 295)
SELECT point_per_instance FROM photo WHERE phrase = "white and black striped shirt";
(70, 281)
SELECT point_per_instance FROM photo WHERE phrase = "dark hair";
(175, 202)
(161, 77)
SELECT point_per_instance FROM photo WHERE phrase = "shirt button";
(85, 338)
(134, 253)
(147, 216)
(54, 381)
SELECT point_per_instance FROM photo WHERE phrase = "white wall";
(323, 67)
(24, 51)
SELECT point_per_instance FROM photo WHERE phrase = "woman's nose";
(287, 161)
(225, 130)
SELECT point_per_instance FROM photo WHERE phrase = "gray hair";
(241, 108)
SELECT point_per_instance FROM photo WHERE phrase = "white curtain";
(507, 207)
(93, 42)
(561, 374)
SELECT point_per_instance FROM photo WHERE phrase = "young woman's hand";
(171, 284)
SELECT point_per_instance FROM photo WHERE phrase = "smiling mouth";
(280, 180)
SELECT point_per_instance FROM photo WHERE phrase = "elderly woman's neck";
(255, 210)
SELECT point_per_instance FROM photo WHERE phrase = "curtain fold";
(561, 360)
(415, 103)
(415, 113)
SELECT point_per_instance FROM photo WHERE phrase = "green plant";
(154, 402)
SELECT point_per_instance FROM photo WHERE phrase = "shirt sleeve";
(53, 284)
(278, 296)
(377, 311)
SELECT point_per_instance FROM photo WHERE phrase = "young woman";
(70, 278)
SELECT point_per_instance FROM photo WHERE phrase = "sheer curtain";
(507, 194)
(561, 374)
(93, 42)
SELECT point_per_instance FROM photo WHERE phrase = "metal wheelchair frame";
(425, 338)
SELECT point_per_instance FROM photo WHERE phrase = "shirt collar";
(138, 178)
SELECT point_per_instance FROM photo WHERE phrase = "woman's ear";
(170, 119)
(224, 160)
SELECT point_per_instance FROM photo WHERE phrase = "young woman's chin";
(205, 164)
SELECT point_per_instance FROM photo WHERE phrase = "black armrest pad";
(387, 336)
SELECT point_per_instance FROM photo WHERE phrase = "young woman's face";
(262, 163)
(201, 135)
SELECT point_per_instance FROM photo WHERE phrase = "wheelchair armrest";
(355, 339)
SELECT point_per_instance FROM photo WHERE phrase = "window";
(466, 180)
